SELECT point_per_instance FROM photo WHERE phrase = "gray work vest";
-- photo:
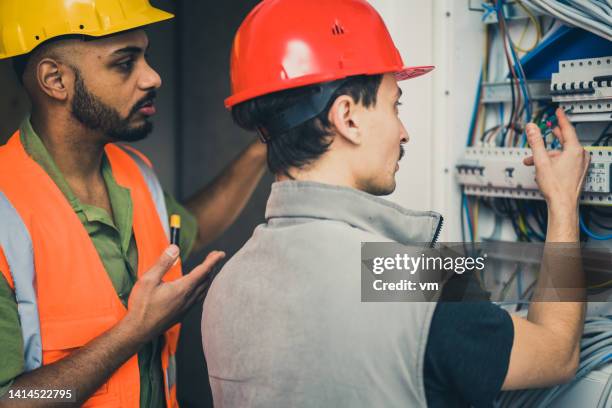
(283, 323)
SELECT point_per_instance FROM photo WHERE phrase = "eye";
(126, 66)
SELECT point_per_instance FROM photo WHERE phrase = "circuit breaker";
(500, 172)
(585, 87)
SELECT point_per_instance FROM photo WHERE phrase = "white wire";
(589, 20)
(593, 9)
(598, 23)
(596, 347)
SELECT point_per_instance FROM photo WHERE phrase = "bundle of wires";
(519, 88)
(605, 136)
(595, 216)
(595, 352)
(591, 15)
(504, 134)
(528, 218)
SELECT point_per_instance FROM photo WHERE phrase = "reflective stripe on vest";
(17, 244)
(154, 185)
(171, 372)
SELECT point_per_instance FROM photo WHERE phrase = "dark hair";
(308, 141)
(20, 62)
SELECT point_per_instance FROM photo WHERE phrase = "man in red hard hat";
(91, 291)
(283, 323)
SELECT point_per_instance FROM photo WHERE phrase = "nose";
(404, 134)
(149, 79)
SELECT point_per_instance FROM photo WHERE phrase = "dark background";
(194, 137)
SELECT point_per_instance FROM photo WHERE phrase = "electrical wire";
(469, 218)
(595, 353)
(526, 211)
(537, 26)
(591, 234)
(485, 78)
(528, 218)
(515, 80)
(516, 68)
(470, 140)
(603, 135)
(569, 13)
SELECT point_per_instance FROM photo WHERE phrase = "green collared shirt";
(113, 238)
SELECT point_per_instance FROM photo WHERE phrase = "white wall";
(410, 24)
(437, 107)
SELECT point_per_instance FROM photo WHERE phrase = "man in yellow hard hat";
(90, 287)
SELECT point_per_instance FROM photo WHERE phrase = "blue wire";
(555, 144)
(469, 219)
(522, 82)
(475, 110)
(488, 10)
(530, 232)
(501, 116)
(518, 68)
(591, 234)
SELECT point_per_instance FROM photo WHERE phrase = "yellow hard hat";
(25, 24)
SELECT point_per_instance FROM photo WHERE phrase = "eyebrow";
(129, 50)
(399, 92)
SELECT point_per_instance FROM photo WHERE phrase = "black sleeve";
(467, 354)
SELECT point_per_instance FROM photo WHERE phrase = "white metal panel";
(411, 25)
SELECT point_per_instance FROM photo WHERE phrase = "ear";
(51, 78)
(344, 116)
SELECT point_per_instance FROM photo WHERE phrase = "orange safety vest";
(65, 296)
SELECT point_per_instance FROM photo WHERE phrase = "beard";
(378, 188)
(94, 114)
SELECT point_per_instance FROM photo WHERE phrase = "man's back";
(284, 324)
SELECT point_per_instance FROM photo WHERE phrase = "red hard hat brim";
(401, 75)
(413, 72)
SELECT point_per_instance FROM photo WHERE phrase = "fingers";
(200, 293)
(196, 295)
(536, 142)
(199, 272)
(586, 163)
(559, 135)
(163, 264)
(567, 129)
(528, 161)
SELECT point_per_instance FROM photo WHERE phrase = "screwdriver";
(175, 229)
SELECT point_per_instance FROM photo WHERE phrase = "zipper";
(438, 230)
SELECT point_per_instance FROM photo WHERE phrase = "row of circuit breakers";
(582, 87)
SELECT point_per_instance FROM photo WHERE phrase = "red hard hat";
(284, 44)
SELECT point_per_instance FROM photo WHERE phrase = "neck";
(326, 170)
(76, 150)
